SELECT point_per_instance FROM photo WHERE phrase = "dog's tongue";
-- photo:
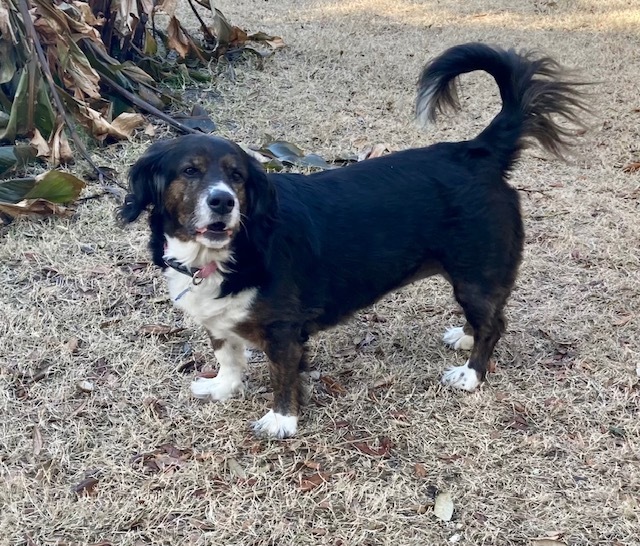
(201, 230)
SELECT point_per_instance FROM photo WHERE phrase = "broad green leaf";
(57, 187)
(198, 119)
(8, 159)
(19, 109)
(8, 64)
(14, 190)
(281, 148)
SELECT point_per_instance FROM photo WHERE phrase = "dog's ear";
(261, 195)
(146, 183)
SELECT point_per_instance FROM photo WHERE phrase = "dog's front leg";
(233, 365)
(285, 351)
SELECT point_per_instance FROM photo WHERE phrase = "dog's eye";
(191, 171)
(236, 176)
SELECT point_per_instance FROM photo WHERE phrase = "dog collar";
(198, 274)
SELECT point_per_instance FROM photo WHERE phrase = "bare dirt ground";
(549, 447)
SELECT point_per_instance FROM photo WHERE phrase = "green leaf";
(290, 154)
(57, 187)
(282, 149)
(14, 190)
(8, 159)
(19, 108)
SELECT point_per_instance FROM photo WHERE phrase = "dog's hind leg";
(485, 316)
(287, 367)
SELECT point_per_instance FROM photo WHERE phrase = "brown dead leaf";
(517, 406)
(156, 407)
(332, 386)
(518, 423)
(37, 441)
(631, 167)
(383, 382)
(150, 130)
(41, 207)
(275, 43)
(235, 468)
(307, 483)
(60, 151)
(158, 330)
(40, 144)
(128, 122)
(385, 445)
(501, 396)
(86, 488)
(177, 39)
(420, 470)
(167, 458)
(370, 152)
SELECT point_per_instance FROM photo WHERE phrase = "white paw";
(458, 340)
(461, 377)
(220, 388)
(276, 425)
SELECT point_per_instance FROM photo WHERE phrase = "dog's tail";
(536, 94)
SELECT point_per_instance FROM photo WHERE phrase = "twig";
(149, 108)
(31, 31)
(205, 28)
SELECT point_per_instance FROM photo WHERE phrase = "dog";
(268, 260)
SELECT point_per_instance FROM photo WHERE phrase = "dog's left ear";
(146, 183)
(261, 195)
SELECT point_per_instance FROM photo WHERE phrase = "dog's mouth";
(217, 231)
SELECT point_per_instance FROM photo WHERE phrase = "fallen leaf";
(40, 144)
(443, 507)
(86, 488)
(167, 458)
(307, 483)
(383, 449)
(127, 122)
(37, 441)
(547, 542)
(235, 468)
(40, 207)
(371, 152)
(332, 386)
(631, 167)
(420, 470)
(84, 386)
(158, 330)
(518, 423)
(156, 407)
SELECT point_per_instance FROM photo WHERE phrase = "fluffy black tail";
(535, 94)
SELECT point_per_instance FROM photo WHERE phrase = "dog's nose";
(221, 202)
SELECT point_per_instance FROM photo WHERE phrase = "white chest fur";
(201, 302)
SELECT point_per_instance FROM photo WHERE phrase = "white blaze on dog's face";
(205, 198)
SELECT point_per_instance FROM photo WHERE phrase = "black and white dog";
(270, 259)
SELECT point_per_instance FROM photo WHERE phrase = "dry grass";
(549, 446)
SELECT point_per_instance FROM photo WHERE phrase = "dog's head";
(198, 188)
